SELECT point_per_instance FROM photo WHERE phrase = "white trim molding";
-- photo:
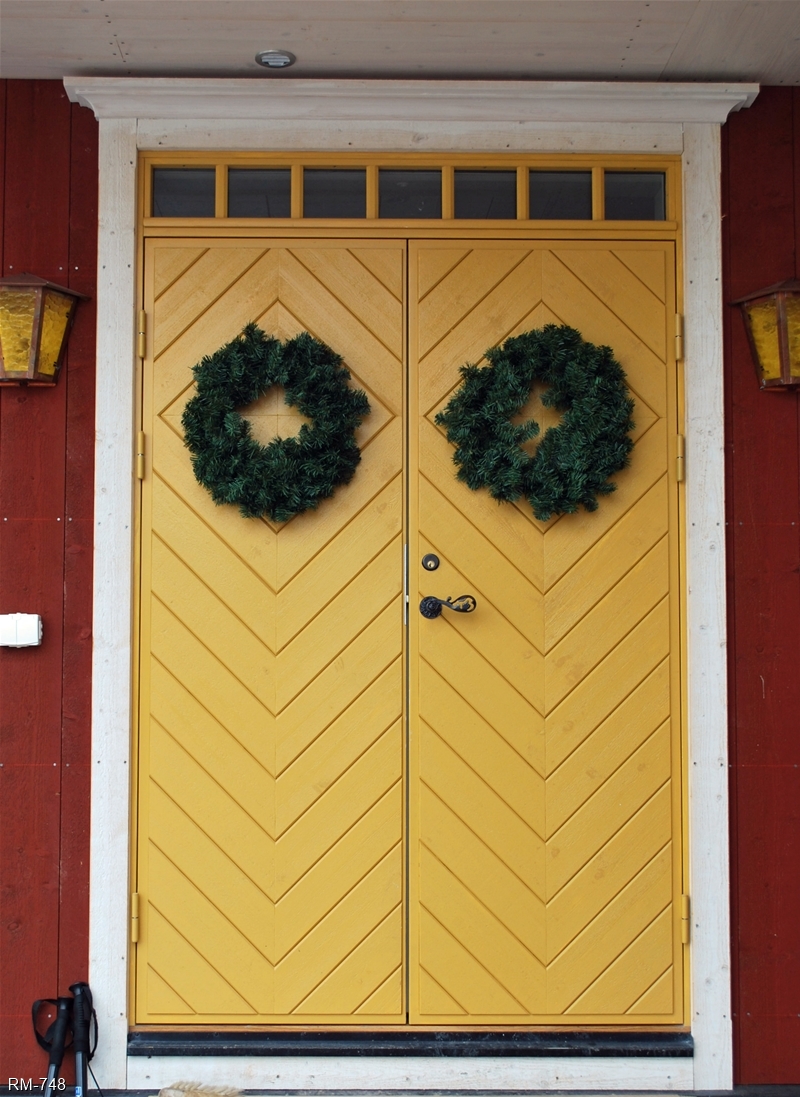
(380, 1074)
(109, 881)
(706, 626)
(421, 101)
(444, 115)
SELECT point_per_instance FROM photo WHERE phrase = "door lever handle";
(431, 607)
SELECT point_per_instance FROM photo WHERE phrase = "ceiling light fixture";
(275, 59)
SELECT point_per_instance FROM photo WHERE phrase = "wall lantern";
(35, 318)
(772, 319)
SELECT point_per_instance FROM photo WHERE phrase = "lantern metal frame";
(779, 292)
(40, 286)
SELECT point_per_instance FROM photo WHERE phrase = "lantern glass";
(35, 318)
(762, 316)
(792, 306)
(56, 312)
(17, 308)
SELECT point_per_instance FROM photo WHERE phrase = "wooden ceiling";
(539, 39)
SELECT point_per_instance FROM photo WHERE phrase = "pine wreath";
(574, 460)
(290, 475)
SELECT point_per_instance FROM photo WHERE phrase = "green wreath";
(290, 475)
(574, 460)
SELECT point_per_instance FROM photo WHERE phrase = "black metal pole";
(57, 1038)
(81, 1019)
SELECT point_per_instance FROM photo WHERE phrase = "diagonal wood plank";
(483, 811)
(649, 266)
(508, 774)
(337, 872)
(445, 345)
(349, 923)
(460, 975)
(610, 933)
(596, 593)
(170, 264)
(211, 278)
(606, 563)
(572, 659)
(208, 619)
(213, 873)
(241, 616)
(480, 563)
(484, 936)
(209, 805)
(339, 745)
(606, 748)
(482, 872)
(362, 972)
(608, 809)
(211, 934)
(611, 868)
(231, 757)
(212, 685)
(189, 974)
(358, 789)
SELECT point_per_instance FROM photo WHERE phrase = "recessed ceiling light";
(275, 59)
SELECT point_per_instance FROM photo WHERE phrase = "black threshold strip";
(470, 1045)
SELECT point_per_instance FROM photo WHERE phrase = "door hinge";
(140, 455)
(680, 458)
(135, 917)
(685, 923)
(678, 337)
(141, 335)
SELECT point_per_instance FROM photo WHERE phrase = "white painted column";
(706, 624)
(113, 559)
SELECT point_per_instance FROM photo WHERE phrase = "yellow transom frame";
(454, 884)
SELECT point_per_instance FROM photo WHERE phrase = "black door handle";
(431, 607)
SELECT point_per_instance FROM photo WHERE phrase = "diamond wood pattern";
(545, 761)
(544, 792)
(271, 805)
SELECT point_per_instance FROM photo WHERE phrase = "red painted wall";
(761, 233)
(48, 217)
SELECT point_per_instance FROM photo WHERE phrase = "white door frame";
(350, 115)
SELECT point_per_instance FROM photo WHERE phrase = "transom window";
(576, 189)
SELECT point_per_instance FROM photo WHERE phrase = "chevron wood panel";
(545, 762)
(271, 797)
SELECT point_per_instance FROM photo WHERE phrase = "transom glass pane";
(486, 194)
(560, 195)
(334, 193)
(635, 195)
(256, 192)
(409, 193)
(184, 192)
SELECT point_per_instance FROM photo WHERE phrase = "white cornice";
(420, 101)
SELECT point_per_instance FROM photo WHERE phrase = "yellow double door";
(348, 814)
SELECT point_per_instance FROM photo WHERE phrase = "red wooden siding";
(761, 178)
(48, 214)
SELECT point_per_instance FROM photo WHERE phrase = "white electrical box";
(20, 630)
